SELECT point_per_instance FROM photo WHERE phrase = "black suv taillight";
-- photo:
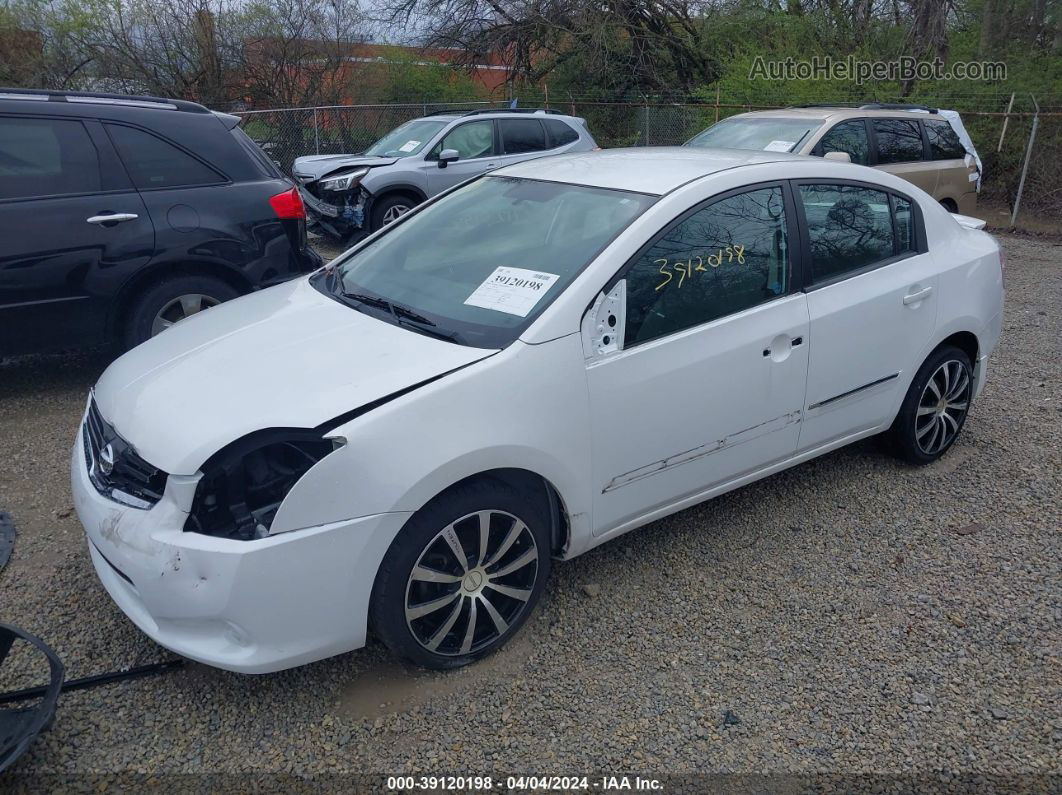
(288, 205)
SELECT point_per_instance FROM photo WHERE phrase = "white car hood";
(286, 357)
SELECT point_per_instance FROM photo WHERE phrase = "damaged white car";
(517, 371)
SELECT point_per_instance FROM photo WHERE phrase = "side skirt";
(723, 488)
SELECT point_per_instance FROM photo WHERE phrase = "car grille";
(130, 480)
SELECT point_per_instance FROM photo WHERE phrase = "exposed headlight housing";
(244, 484)
(344, 181)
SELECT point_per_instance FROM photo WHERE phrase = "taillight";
(288, 205)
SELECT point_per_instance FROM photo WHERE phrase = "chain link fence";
(1000, 128)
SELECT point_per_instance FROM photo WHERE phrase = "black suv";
(122, 215)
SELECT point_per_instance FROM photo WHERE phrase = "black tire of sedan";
(171, 301)
(462, 576)
(935, 408)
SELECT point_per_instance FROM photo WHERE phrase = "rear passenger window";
(46, 157)
(850, 227)
(944, 143)
(899, 141)
(905, 233)
(522, 135)
(850, 137)
(154, 163)
(726, 257)
(560, 134)
(269, 168)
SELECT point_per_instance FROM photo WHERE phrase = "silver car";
(350, 194)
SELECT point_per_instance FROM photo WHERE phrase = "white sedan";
(524, 368)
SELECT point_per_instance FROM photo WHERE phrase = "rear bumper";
(246, 606)
(989, 340)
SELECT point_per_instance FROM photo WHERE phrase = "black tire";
(146, 306)
(949, 205)
(910, 435)
(419, 544)
(389, 205)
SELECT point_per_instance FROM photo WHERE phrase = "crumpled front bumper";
(338, 220)
(246, 606)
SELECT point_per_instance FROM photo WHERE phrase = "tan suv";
(913, 142)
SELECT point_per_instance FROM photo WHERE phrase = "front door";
(873, 305)
(474, 142)
(65, 231)
(709, 383)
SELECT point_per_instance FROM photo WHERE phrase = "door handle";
(111, 218)
(794, 342)
(914, 298)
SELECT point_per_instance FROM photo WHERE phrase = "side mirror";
(842, 157)
(605, 323)
(448, 156)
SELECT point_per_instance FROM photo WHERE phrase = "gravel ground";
(851, 616)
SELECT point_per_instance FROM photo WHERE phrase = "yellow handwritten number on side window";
(686, 268)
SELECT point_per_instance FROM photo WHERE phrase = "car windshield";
(405, 140)
(771, 134)
(477, 266)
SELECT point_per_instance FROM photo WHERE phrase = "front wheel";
(935, 408)
(462, 576)
(389, 209)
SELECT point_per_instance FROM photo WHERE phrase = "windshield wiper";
(404, 316)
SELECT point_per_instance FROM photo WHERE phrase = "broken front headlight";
(243, 484)
(343, 181)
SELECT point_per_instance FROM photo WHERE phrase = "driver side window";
(728, 256)
(471, 140)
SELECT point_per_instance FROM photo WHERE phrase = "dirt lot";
(853, 616)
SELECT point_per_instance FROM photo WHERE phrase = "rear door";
(898, 148)
(73, 229)
(521, 139)
(872, 299)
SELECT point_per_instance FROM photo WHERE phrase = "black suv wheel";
(172, 301)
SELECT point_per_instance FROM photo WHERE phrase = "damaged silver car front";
(335, 204)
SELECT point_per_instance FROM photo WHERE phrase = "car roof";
(652, 170)
(501, 113)
(824, 113)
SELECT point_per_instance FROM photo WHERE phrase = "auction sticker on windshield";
(512, 290)
(779, 146)
(409, 146)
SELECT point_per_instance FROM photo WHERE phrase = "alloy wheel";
(180, 308)
(471, 583)
(394, 212)
(942, 407)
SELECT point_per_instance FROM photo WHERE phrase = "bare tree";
(298, 52)
(627, 45)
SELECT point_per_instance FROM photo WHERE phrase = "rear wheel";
(462, 576)
(171, 301)
(935, 408)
